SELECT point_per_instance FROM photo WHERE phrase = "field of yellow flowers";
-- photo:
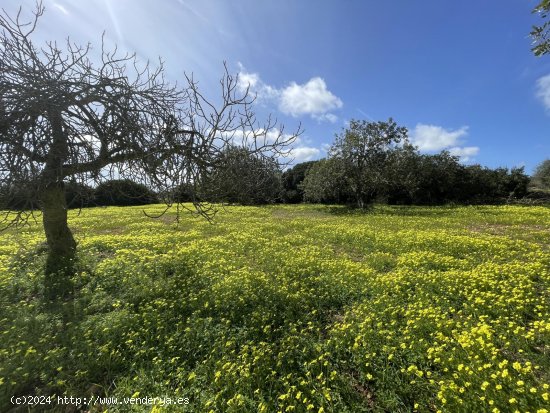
(288, 309)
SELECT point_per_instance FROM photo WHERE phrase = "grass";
(287, 308)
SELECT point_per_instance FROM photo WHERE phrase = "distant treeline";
(375, 162)
(368, 163)
(431, 180)
(123, 192)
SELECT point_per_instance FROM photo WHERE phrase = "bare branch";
(64, 117)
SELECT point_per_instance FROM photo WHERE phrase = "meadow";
(287, 309)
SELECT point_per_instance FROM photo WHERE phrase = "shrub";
(78, 195)
(25, 197)
(123, 192)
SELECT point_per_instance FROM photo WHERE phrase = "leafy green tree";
(423, 179)
(482, 185)
(123, 192)
(292, 180)
(244, 178)
(541, 176)
(184, 192)
(403, 178)
(365, 151)
(325, 182)
(79, 195)
(440, 179)
(517, 183)
(541, 34)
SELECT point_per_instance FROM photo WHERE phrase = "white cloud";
(247, 80)
(465, 153)
(332, 118)
(252, 83)
(435, 138)
(543, 90)
(304, 154)
(432, 138)
(311, 98)
(61, 8)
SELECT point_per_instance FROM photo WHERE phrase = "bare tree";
(64, 117)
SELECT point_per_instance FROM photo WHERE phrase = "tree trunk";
(61, 244)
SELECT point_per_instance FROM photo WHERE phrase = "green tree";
(365, 150)
(403, 179)
(482, 185)
(244, 178)
(293, 178)
(440, 179)
(541, 176)
(517, 182)
(123, 192)
(325, 182)
(541, 34)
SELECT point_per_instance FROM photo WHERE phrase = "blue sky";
(459, 75)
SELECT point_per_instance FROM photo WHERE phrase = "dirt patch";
(361, 389)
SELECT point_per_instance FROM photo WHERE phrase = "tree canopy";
(541, 176)
(364, 148)
(244, 178)
(325, 182)
(292, 180)
(370, 162)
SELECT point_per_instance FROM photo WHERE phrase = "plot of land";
(288, 308)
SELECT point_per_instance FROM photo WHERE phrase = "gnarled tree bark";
(61, 243)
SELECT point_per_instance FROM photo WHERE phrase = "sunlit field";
(287, 309)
